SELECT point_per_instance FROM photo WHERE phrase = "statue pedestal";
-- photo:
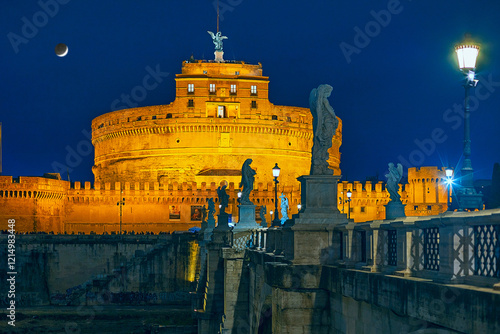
(309, 240)
(470, 201)
(246, 220)
(209, 228)
(319, 196)
(394, 210)
(222, 223)
(219, 56)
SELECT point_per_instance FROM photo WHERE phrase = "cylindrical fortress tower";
(221, 116)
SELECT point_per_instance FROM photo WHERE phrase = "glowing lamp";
(276, 173)
(470, 75)
(271, 212)
(449, 172)
(349, 194)
(467, 54)
(239, 194)
(299, 206)
(276, 170)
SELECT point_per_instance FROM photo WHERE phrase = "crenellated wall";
(49, 205)
(36, 203)
(427, 191)
(423, 195)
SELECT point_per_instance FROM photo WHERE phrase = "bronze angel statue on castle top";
(217, 39)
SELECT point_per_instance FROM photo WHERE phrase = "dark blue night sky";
(397, 86)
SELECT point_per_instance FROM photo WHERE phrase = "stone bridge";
(322, 273)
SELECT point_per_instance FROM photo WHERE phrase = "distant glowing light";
(276, 171)
(470, 75)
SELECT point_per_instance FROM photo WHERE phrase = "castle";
(156, 167)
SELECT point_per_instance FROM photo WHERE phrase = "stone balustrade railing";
(455, 247)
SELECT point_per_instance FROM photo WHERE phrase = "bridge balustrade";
(453, 247)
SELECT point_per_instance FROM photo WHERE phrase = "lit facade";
(166, 161)
(221, 116)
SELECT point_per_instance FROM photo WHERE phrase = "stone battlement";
(32, 187)
(228, 68)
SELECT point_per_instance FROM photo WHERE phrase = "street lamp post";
(449, 181)
(343, 200)
(467, 53)
(349, 194)
(276, 173)
(121, 204)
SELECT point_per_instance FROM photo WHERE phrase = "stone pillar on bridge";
(315, 222)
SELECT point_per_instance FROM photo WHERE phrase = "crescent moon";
(61, 50)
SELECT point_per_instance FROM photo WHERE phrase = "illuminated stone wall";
(49, 205)
(46, 205)
(427, 191)
(36, 203)
(148, 207)
(423, 195)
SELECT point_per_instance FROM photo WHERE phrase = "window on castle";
(254, 104)
(190, 88)
(212, 88)
(139, 118)
(274, 117)
(363, 209)
(289, 119)
(169, 115)
(253, 90)
(415, 207)
(237, 73)
(190, 103)
(221, 111)
(154, 117)
(429, 207)
(233, 89)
